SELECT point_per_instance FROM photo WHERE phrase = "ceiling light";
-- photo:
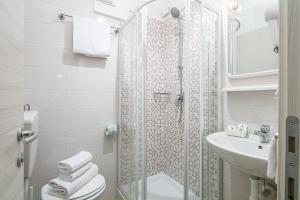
(234, 5)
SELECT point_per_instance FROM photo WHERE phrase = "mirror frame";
(253, 74)
(271, 72)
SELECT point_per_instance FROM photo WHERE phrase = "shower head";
(175, 12)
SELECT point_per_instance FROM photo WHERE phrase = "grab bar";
(31, 139)
(26, 136)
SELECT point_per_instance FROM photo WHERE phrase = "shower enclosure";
(169, 101)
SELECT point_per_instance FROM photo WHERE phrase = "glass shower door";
(131, 109)
(203, 100)
(158, 151)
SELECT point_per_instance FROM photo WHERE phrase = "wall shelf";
(252, 88)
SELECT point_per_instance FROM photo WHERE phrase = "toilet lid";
(90, 191)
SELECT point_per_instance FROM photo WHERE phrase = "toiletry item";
(111, 129)
(242, 130)
(237, 131)
(231, 130)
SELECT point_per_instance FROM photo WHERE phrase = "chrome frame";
(144, 38)
(141, 7)
(186, 48)
(133, 14)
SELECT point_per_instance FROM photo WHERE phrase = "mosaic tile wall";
(156, 103)
(203, 102)
(165, 137)
(165, 149)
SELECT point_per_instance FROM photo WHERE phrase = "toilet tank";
(31, 122)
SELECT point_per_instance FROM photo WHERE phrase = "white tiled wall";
(76, 95)
(11, 97)
(252, 108)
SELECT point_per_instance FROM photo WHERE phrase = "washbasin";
(247, 154)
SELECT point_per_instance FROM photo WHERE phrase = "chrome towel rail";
(63, 16)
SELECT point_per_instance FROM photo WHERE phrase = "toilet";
(90, 191)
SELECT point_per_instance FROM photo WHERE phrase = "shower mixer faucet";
(264, 134)
(179, 103)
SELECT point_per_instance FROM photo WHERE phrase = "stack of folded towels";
(74, 173)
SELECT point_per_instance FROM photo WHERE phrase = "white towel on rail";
(63, 189)
(75, 162)
(272, 159)
(91, 37)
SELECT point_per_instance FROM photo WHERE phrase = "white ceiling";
(246, 4)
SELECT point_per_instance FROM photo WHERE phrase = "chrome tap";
(264, 134)
(179, 103)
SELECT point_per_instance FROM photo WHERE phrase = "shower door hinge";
(292, 158)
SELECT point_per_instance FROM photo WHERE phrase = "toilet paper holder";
(111, 129)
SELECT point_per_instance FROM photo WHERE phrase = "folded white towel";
(64, 189)
(91, 37)
(72, 176)
(93, 188)
(75, 162)
(272, 159)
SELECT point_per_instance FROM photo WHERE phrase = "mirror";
(253, 37)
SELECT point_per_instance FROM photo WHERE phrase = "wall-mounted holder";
(111, 130)
(161, 96)
(27, 107)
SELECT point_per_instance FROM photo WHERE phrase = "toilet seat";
(90, 191)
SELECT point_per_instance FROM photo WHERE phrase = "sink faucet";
(264, 134)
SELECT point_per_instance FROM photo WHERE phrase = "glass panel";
(253, 37)
(202, 163)
(167, 61)
(165, 136)
(131, 111)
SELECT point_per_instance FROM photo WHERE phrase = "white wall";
(76, 95)
(120, 10)
(11, 97)
(252, 108)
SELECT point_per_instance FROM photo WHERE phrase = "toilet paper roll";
(111, 129)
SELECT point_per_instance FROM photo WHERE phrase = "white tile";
(35, 32)
(54, 121)
(58, 3)
(57, 100)
(76, 95)
(34, 55)
(57, 77)
(36, 98)
(34, 77)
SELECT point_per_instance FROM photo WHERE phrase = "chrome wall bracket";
(292, 158)
(20, 160)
